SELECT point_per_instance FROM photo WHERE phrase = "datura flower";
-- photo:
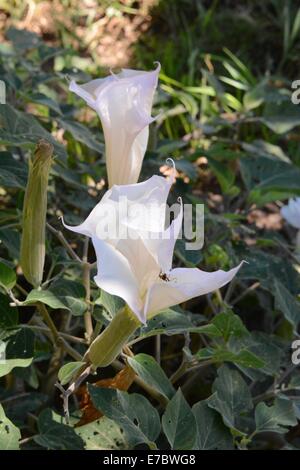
(291, 212)
(123, 102)
(138, 267)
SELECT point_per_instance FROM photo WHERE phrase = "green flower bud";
(34, 214)
(108, 345)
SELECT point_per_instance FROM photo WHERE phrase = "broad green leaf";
(111, 303)
(132, 412)
(23, 129)
(179, 423)
(168, 322)
(55, 436)
(269, 179)
(103, 434)
(11, 240)
(224, 325)
(7, 276)
(13, 173)
(44, 100)
(190, 258)
(67, 371)
(281, 117)
(22, 39)
(46, 297)
(8, 315)
(72, 294)
(150, 371)
(7, 365)
(9, 434)
(224, 174)
(265, 268)
(243, 357)
(263, 346)
(63, 294)
(275, 418)
(231, 397)
(287, 304)
(21, 344)
(82, 134)
(212, 434)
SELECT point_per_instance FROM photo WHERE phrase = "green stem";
(108, 345)
(86, 282)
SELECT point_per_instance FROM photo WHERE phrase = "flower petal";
(184, 284)
(291, 212)
(115, 275)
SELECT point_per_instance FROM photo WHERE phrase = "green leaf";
(22, 129)
(231, 396)
(55, 436)
(103, 434)
(281, 117)
(225, 325)
(190, 258)
(132, 412)
(111, 303)
(179, 423)
(67, 371)
(275, 418)
(265, 268)
(150, 371)
(21, 344)
(7, 365)
(212, 434)
(44, 100)
(46, 297)
(243, 357)
(13, 173)
(168, 322)
(9, 433)
(224, 174)
(7, 276)
(82, 134)
(269, 179)
(22, 39)
(63, 294)
(266, 348)
(8, 315)
(287, 304)
(11, 240)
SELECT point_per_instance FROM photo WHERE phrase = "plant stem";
(64, 242)
(57, 339)
(44, 329)
(86, 282)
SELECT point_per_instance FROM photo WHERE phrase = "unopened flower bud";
(34, 214)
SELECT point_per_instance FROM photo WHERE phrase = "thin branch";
(65, 394)
(57, 339)
(246, 292)
(86, 282)
(64, 242)
(44, 329)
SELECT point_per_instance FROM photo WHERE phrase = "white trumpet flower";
(123, 102)
(138, 268)
(291, 212)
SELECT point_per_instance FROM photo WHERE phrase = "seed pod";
(34, 214)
